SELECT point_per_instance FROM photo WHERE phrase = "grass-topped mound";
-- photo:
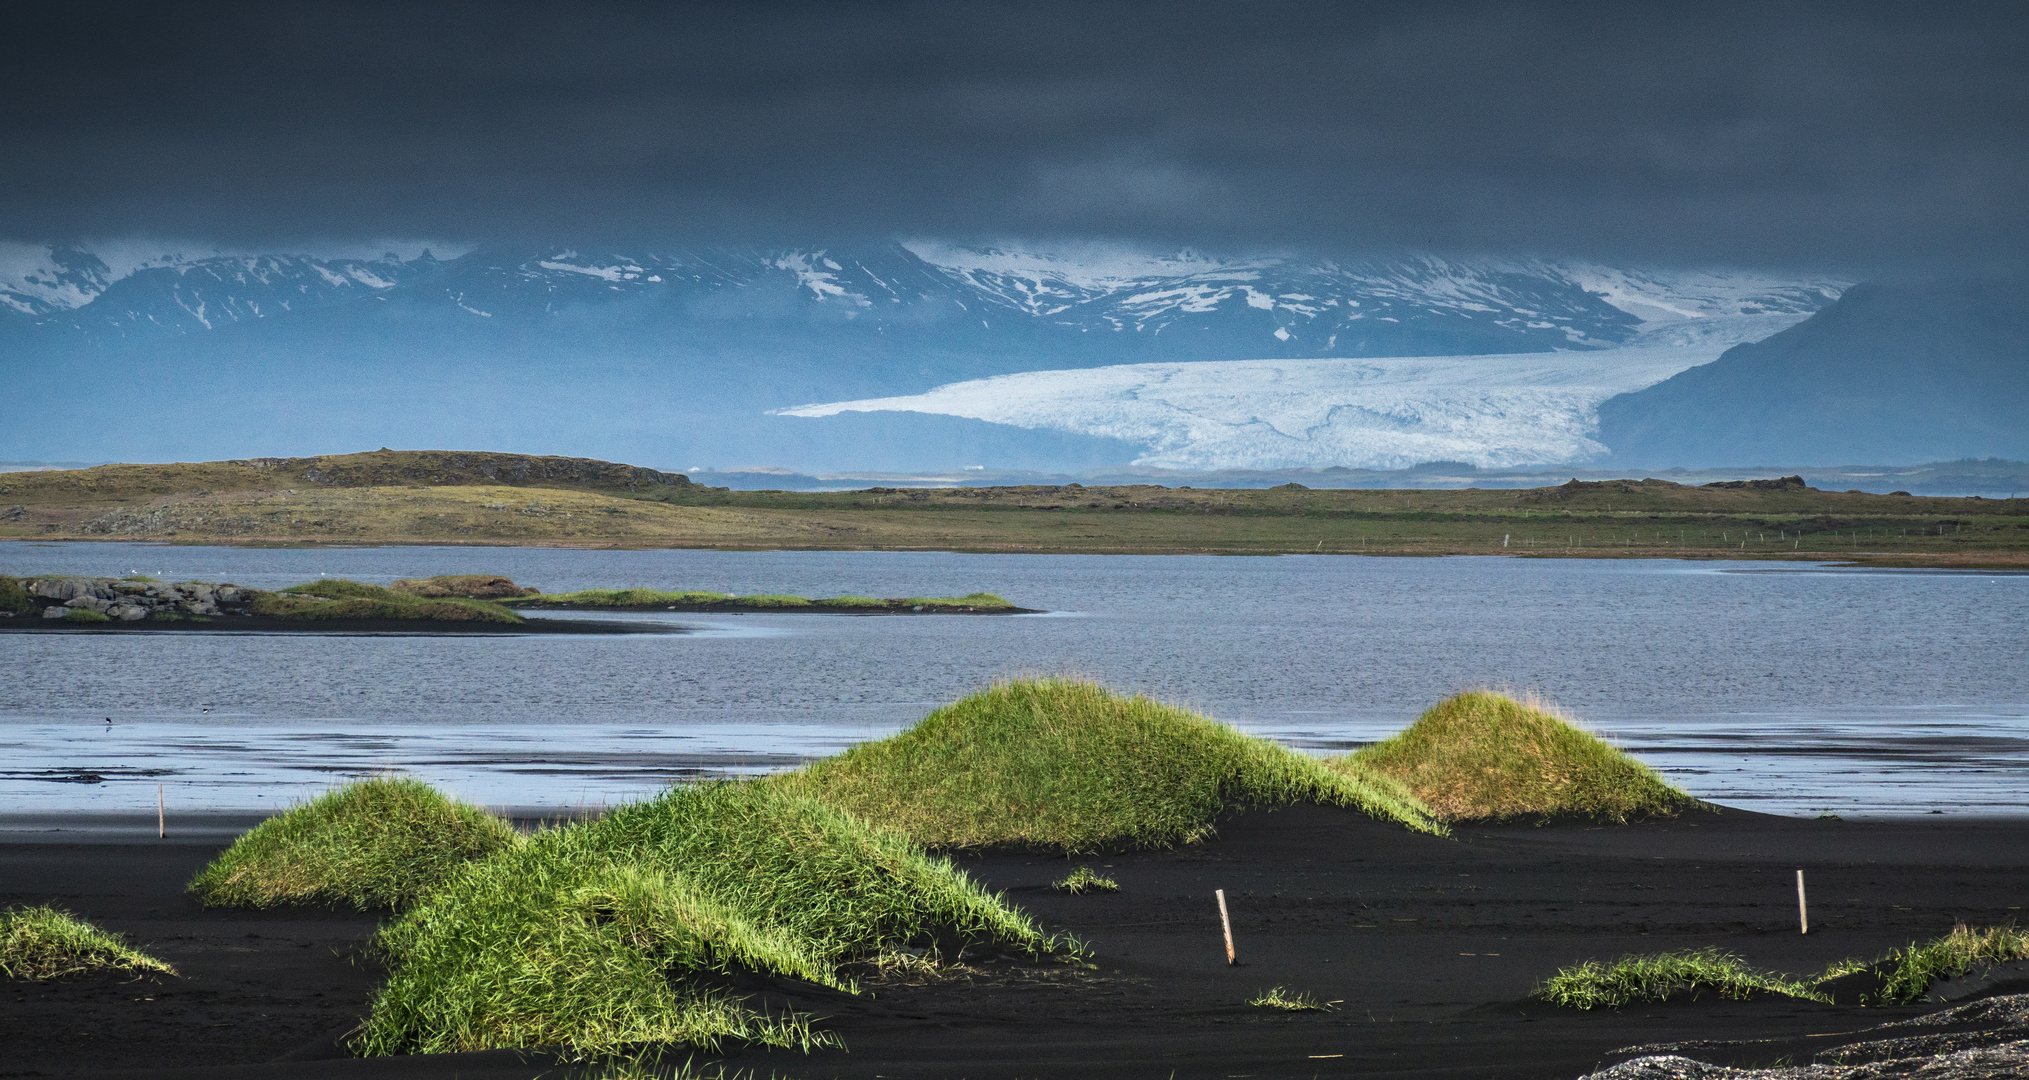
(696, 600)
(469, 586)
(621, 931)
(1482, 756)
(1067, 765)
(48, 943)
(337, 598)
(374, 844)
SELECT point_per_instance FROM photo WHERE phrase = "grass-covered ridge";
(337, 598)
(1909, 972)
(378, 843)
(619, 931)
(1067, 765)
(48, 943)
(698, 600)
(1485, 756)
(1658, 977)
(1901, 977)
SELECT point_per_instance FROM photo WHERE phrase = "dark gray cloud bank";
(1868, 137)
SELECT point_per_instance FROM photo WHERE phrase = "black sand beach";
(1429, 947)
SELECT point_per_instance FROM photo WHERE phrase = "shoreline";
(1998, 560)
(1428, 947)
(266, 625)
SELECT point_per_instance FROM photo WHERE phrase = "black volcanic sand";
(259, 624)
(1430, 945)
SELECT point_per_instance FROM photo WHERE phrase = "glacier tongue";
(1490, 411)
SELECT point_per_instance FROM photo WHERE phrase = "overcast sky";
(1837, 135)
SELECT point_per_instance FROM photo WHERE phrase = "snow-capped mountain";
(44, 279)
(1172, 304)
(707, 352)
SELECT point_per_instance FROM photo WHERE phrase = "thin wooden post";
(1226, 924)
(1803, 911)
(161, 824)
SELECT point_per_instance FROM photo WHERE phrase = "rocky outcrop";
(129, 600)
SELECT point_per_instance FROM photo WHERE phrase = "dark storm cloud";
(1828, 133)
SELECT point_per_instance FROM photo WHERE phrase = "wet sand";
(1430, 947)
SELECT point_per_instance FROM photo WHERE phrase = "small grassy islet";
(699, 600)
(338, 598)
(45, 942)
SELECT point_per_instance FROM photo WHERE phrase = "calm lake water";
(1781, 688)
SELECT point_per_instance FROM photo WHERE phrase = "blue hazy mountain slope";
(675, 358)
(1892, 372)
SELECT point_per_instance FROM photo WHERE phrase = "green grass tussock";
(1281, 997)
(609, 933)
(1659, 977)
(1084, 880)
(1063, 764)
(1909, 972)
(85, 615)
(1485, 756)
(378, 843)
(337, 598)
(48, 943)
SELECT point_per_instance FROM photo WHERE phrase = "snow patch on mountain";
(1495, 411)
(38, 279)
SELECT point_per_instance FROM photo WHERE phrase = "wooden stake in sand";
(1225, 924)
(1803, 913)
(161, 827)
